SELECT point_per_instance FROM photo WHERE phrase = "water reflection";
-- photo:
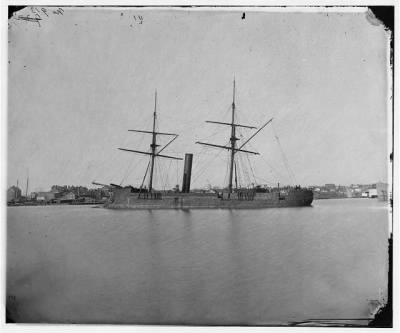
(153, 296)
(235, 250)
(194, 308)
(197, 266)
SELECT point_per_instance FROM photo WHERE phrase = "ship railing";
(150, 195)
(246, 195)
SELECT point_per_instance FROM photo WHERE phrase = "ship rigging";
(233, 139)
(128, 197)
(153, 147)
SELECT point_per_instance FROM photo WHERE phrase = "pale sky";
(80, 80)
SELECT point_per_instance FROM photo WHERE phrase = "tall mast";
(153, 154)
(153, 144)
(27, 183)
(232, 147)
(233, 142)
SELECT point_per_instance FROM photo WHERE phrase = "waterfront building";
(330, 187)
(45, 197)
(13, 194)
(67, 197)
(383, 191)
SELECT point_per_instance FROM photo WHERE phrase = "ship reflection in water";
(214, 267)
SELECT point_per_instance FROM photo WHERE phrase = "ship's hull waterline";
(239, 198)
(124, 199)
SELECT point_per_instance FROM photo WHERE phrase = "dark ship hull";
(125, 199)
(238, 198)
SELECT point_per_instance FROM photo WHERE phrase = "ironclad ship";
(233, 197)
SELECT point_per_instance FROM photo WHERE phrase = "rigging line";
(217, 131)
(273, 170)
(199, 163)
(127, 173)
(225, 115)
(172, 140)
(254, 134)
(199, 168)
(246, 174)
(285, 160)
(228, 111)
(236, 177)
(201, 171)
(241, 116)
(239, 167)
(267, 181)
(171, 174)
(160, 175)
(236, 173)
(211, 136)
(177, 177)
(251, 169)
(199, 175)
(156, 175)
(129, 169)
(164, 175)
(144, 178)
(107, 168)
(227, 170)
(242, 170)
(224, 184)
(256, 170)
(156, 181)
(245, 171)
(206, 160)
(167, 181)
(205, 164)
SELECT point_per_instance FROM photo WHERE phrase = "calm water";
(270, 266)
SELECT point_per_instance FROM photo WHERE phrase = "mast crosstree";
(233, 147)
(153, 146)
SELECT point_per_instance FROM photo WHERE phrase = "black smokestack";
(187, 173)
